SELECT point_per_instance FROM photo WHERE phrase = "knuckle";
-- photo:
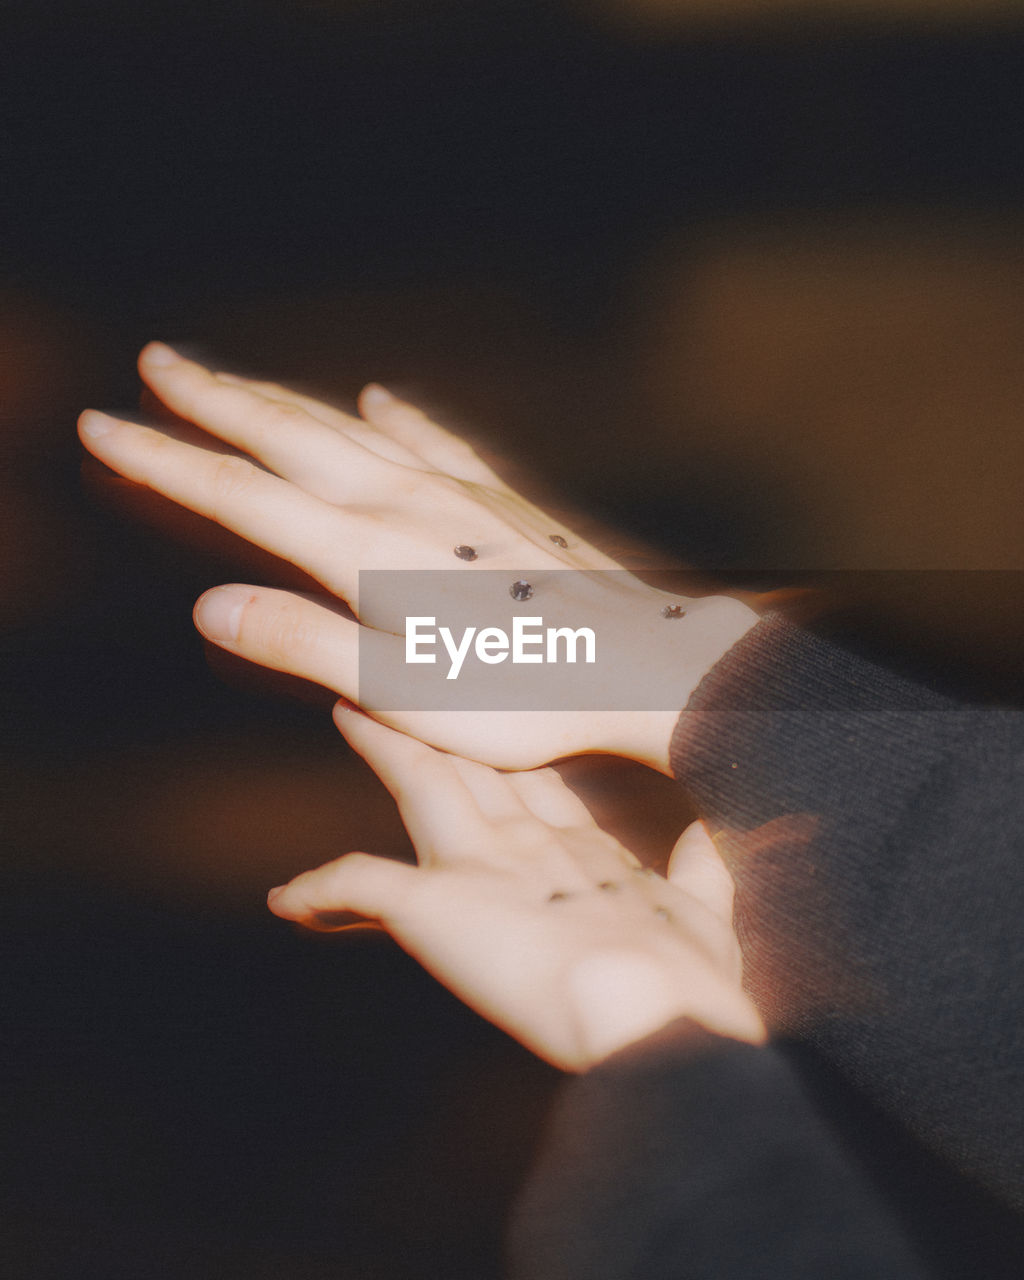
(461, 449)
(277, 633)
(153, 444)
(232, 477)
(354, 862)
(403, 484)
(281, 413)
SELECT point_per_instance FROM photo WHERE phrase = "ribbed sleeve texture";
(696, 1156)
(873, 828)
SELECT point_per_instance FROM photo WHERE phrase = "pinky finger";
(550, 799)
(359, 882)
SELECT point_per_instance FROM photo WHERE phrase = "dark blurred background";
(740, 277)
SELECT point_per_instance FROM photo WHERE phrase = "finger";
(453, 456)
(544, 793)
(547, 796)
(374, 887)
(153, 409)
(362, 433)
(493, 792)
(281, 434)
(285, 632)
(440, 813)
(236, 493)
(696, 867)
(412, 429)
(147, 508)
(330, 416)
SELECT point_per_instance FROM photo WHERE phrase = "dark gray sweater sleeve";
(688, 1155)
(874, 830)
(692, 1157)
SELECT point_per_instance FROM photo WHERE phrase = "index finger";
(439, 810)
(234, 491)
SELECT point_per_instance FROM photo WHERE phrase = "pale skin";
(533, 915)
(334, 494)
(520, 903)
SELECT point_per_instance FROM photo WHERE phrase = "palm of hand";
(530, 913)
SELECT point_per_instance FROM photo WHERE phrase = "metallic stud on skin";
(557, 539)
(673, 611)
(464, 552)
(520, 590)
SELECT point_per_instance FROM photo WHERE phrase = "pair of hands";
(574, 978)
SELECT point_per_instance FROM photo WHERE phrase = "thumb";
(373, 887)
(696, 867)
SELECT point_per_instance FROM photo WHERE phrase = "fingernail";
(94, 424)
(346, 714)
(375, 394)
(218, 613)
(158, 353)
(273, 893)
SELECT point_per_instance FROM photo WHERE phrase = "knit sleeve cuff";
(691, 1154)
(788, 723)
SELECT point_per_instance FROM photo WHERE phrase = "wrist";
(621, 997)
(676, 654)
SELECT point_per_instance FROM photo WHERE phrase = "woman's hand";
(530, 913)
(335, 494)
